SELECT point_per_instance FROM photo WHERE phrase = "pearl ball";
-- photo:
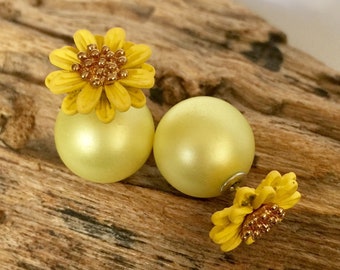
(203, 145)
(102, 152)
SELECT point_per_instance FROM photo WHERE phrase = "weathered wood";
(51, 219)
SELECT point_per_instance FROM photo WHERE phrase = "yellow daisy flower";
(254, 211)
(102, 74)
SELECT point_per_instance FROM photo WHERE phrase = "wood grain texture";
(52, 219)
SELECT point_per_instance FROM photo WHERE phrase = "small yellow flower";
(102, 74)
(254, 211)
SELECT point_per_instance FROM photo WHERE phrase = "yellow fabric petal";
(250, 240)
(50, 78)
(215, 230)
(244, 196)
(273, 175)
(104, 111)
(233, 243)
(83, 38)
(64, 58)
(283, 192)
(138, 99)
(61, 81)
(100, 41)
(127, 45)
(221, 217)
(149, 68)
(137, 55)
(265, 195)
(288, 202)
(238, 214)
(69, 105)
(223, 235)
(115, 38)
(118, 96)
(88, 98)
(286, 179)
(139, 78)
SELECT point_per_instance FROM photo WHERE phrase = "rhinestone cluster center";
(261, 221)
(101, 67)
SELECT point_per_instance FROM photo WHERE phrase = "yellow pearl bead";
(105, 152)
(201, 143)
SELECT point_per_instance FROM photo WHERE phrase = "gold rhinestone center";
(261, 221)
(101, 67)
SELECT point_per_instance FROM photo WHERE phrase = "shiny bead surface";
(102, 152)
(202, 142)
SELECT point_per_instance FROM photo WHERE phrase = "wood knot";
(17, 118)
(266, 54)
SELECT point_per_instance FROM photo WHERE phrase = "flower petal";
(272, 176)
(139, 78)
(104, 111)
(233, 243)
(238, 214)
(50, 78)
(83, 38)
(137, 96)
(244, 196)
(249, 240)
(127, 45)
(100, 41)
(265, 195)
(221, 217)
(69, 105)
(283, 192)
(215, 230)
(88, 98)
(137, 55)
(149, 68)
(290, 201)
(287, 178)
(115, 38)
(118, 96)
(224, 235)
(61, 81)
(64, 58)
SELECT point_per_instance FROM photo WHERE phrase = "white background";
(311, 25)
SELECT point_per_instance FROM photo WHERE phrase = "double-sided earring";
(104, 132)
(202, 146)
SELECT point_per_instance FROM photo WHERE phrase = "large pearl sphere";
(102, 152)
(202, 145)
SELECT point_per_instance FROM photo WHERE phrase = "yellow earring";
(254, 211)
(104, 132)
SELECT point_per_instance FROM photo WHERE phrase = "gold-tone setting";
(261, 221)
(101, 67)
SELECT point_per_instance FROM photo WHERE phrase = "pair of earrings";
(202, 146)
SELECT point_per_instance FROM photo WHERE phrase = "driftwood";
(52, 219)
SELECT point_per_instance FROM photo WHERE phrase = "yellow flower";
(102, 74)
(254, 211)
